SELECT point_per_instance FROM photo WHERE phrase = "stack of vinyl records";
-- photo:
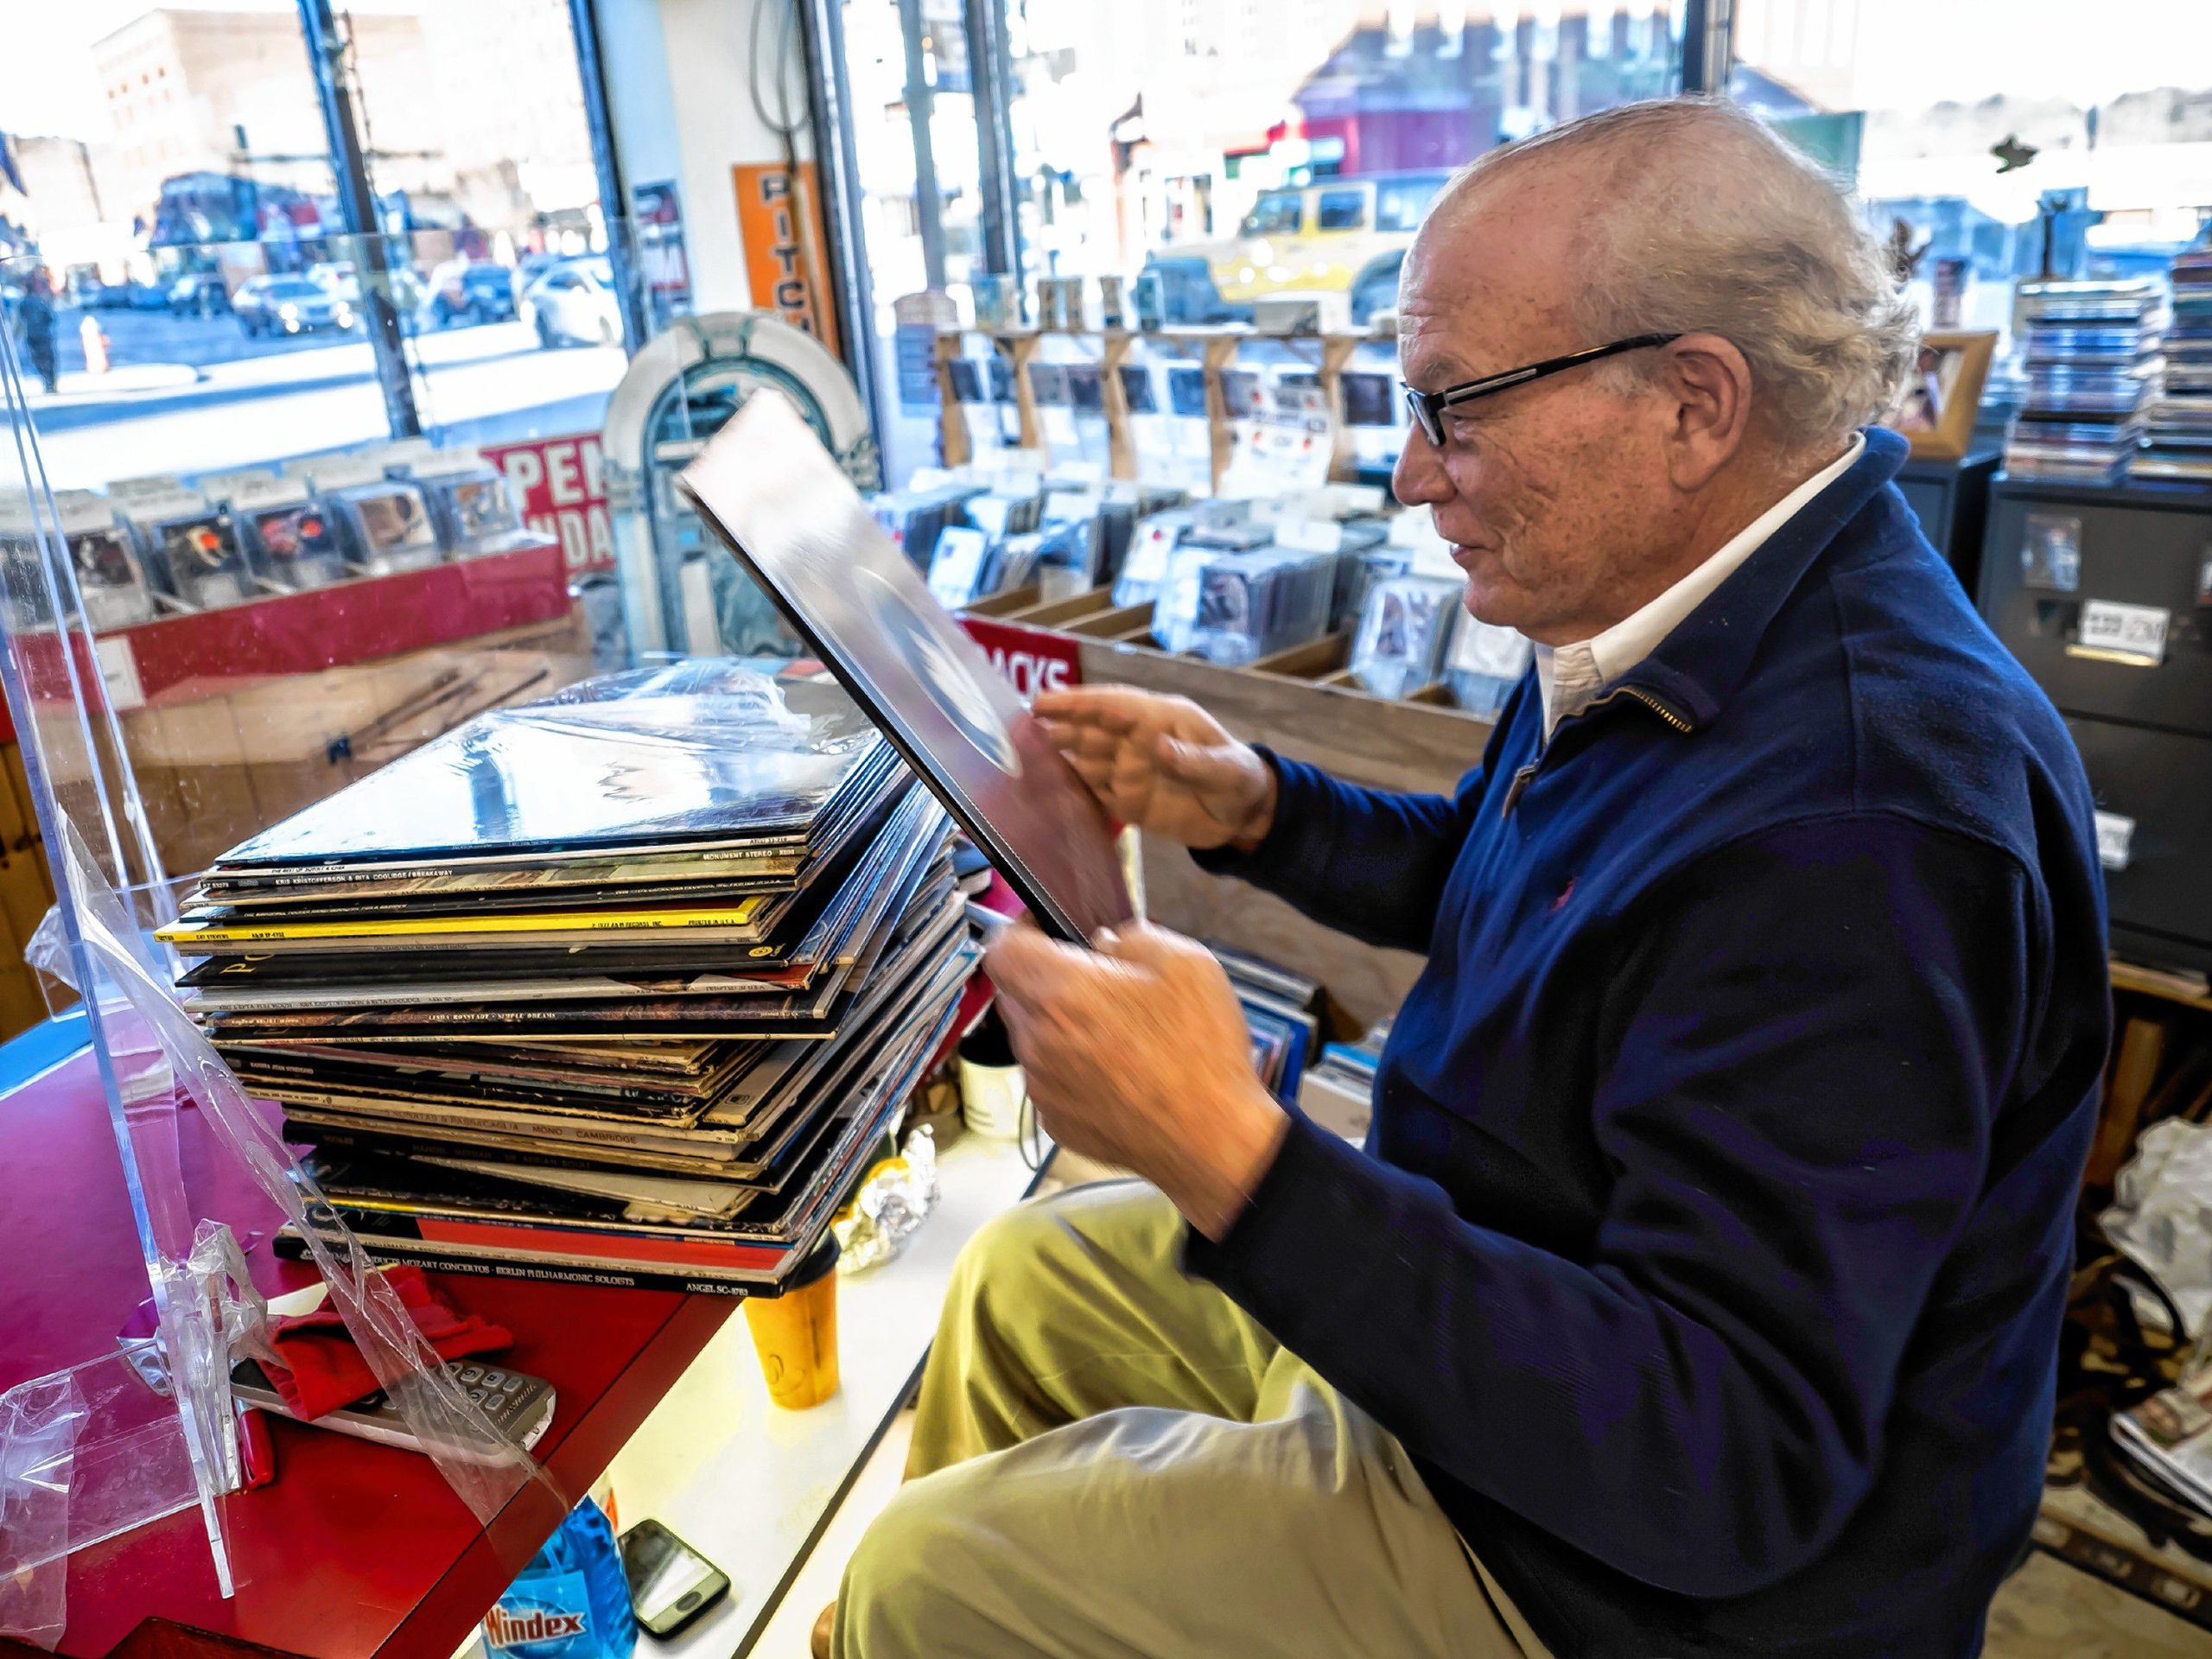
(2092, 362)
(2178, 442)
(620, 986)
(1282, 1011)
(1338, 1089)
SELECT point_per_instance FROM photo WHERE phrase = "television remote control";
(520, 1406)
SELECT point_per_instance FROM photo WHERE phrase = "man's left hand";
(1137, 1054)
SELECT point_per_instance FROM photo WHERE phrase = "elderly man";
(1697, 1291)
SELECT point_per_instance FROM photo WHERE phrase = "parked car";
(290, 305)
(339, 277)
(197, 294)
(1180, 290)
(532, 266)
(343, 278)
(1376, 288)
(1317, 236)
(574, 304)
(119, 296)
(462, 293)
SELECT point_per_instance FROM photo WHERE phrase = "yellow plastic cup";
(795, 1333)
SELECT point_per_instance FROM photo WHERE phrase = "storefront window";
(1998, 142)
(184, 269)
(1241, 150)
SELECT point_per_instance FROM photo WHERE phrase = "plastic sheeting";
(2161, 1219)
(39, 1425)
(482, 1464)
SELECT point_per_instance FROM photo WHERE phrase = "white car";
(574, 304)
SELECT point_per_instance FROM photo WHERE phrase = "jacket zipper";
(1665, 711)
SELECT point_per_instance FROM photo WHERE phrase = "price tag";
(262, 489)
(957, 565)
(2114, 833)
(1066, 506)
(78, 510)
(2133, 631)
(120, 673)
(1311, 535)
(1356, 498)
(1480, 647)
(338, 471)
(1148, 558)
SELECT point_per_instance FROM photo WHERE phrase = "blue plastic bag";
(572, 1601)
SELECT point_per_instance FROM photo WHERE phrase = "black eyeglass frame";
(1428, 407)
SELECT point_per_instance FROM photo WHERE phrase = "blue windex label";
(550, 1619)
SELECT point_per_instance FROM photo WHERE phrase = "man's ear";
(1709, 382)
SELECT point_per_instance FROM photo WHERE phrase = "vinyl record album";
(769, 490)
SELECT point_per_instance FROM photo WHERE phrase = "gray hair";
(1705, 220)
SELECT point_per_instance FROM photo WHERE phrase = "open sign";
(564, 495)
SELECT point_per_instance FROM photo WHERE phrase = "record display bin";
(1419, 732)
(1304, 703)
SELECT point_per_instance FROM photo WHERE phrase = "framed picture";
(1943, 392)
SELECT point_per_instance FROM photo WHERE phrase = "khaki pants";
(1112, 1459)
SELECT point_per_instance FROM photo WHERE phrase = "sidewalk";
(78, 387)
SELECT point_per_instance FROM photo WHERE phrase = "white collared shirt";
(1571, 676)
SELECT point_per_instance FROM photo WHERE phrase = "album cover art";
(769, 490)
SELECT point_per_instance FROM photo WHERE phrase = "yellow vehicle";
(1316, 236)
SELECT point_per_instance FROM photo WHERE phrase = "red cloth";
(322, 1370)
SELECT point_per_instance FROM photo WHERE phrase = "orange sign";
(779, 218)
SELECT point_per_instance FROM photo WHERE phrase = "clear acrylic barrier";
(227, 593)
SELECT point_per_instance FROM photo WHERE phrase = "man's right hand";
(1163, 763)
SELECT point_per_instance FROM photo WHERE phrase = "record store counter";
(356, 1549)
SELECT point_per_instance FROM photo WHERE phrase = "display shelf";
(751, 1486)
(1302, 701)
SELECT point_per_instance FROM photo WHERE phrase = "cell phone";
(671, 1583)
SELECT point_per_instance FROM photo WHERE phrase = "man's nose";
(1419, 478)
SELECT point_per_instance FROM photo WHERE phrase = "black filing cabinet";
(1951, 500)
(2104, 592)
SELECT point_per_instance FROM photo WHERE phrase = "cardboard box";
(18, 816)
(217, 770)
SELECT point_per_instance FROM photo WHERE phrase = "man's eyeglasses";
(1428, 407)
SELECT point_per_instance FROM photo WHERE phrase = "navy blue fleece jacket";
(1708, 1248)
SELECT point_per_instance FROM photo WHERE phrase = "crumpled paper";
(893, 1200)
